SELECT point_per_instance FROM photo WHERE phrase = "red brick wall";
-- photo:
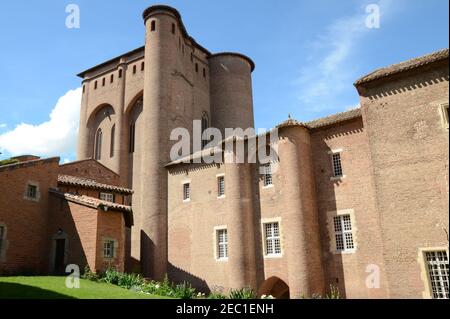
(409, 148)
(26, 220)
(111, 226)
(355, 191)
(79, 223)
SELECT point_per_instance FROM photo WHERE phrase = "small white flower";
(157, 286)
(263, 297)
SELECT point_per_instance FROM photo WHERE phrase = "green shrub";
(244, 293)
(184, 291)
(88, 274)
(111, 276)
(130, 280)
(216, 295)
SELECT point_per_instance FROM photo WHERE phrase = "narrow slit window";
(196, 67)
(134, 69)
(153, 26)
(142, 66)
(98, 145)
(120, 73)
(132, 137)
(173, 28)
(95, 85)
(112, 78)
(103, 82)
(113, 137)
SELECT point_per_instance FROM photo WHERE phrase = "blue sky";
(307, 55)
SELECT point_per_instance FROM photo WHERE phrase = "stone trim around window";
(421, 259)
(115, 249)
(331, 232)
(38, 192)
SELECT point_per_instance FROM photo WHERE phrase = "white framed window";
(272, 238)
(221, 243)
(107, 197)
(337, 165)
(186, 192)
(437, 266)
(343, 233)
(267, 175)
(221, 186)
(32, 191)
(108, 249)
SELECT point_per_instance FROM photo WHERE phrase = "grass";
(55, 288)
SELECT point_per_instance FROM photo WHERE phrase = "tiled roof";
(290, 122)
(325, 121)
(89, 183)
(334, 119)
(97, 204)
(404, 66)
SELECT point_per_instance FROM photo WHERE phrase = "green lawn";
(55, 288)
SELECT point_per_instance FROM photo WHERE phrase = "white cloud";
(331, 70)
(52, 138)
(2, 125)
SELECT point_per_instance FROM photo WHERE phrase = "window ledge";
(345, 252)
(221, 260)
(268, 186)
(221, 197)
(187, 201)
(273, 256)
(337, 178)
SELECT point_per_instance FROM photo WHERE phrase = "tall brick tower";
(132, 103)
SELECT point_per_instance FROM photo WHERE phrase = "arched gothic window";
(98, 144)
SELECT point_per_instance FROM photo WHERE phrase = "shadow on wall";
(18, 291)
(333, 265)
(178, 275)
(65, 246)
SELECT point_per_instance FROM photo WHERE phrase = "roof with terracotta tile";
(96, 204)
(90, 183)
(404, 66)
(334, 119)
